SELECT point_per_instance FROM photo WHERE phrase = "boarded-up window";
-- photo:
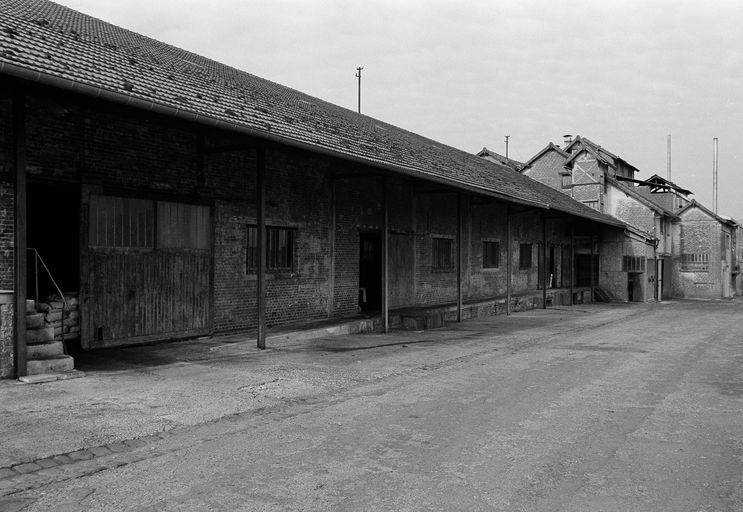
(121, 222)
(279, 249)
(125, 222)
(525, 256)
(695, 262)
(441, 254)
(490, 254)
(633, 264)
(182, 226)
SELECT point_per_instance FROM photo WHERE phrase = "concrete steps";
(52, 364)
(45, 351)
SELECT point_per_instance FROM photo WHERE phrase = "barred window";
(279, 249)
(525, 256)
(633, 264)
(441, 255)
(567, 181)
(695, 262)
(490, 255)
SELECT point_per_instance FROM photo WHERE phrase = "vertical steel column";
(593, 268)
(385, 250)
(331, 242)
(509, 259)
(21, 258)
(572, 264)
(459, 257)
(260, 286)
(544, 260)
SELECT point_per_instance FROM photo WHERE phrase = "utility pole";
(714, 174)
(507, 137)
(358, 75)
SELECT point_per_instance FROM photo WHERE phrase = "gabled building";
(172, 196)
(705, 260)
(634, 265)
(500, 159)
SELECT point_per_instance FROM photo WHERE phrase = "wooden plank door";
(147, 272)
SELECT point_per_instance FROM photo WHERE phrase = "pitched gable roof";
(700, 206)
(547, 148)
(658, 181)
(639, 197)
(509, 162)
(44, 42)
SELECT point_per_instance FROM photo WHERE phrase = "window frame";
(442, 258)
(272, 244)
(490, 248)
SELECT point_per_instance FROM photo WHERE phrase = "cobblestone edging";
(57, 468)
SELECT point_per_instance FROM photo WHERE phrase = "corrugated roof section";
(57, 45)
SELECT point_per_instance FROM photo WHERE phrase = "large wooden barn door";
(146, 271)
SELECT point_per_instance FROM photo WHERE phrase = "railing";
(38, 259)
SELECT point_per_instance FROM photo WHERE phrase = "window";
(129, 223)
(490, 255)
(567, 181)
(525, 256)
(441, 254)
(592, 204)
(279, 249)
(633, 264)
(695, 262)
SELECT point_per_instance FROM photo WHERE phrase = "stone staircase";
(48, 326)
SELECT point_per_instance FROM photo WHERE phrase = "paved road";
(626, 407)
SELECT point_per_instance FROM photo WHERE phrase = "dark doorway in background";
(53, 229)
(370, 271)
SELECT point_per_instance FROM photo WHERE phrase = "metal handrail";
(37, 259)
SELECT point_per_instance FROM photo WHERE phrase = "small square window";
(490, 255)
(567, 181)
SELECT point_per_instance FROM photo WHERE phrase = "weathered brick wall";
(615, 244)
(701, 234)
(436, 217)
(7, 233)
(297, 195)
(630, 210)
(547, 169)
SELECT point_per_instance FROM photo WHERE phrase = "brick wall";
(546, 169)
(698, 234)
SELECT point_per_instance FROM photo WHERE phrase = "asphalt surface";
(600, 407)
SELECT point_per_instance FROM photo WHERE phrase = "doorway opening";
(53, 231)
(370, 271)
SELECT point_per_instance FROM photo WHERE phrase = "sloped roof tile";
(55, 45)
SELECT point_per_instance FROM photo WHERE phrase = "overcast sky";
(624, 74)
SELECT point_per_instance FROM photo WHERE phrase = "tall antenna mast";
(358, 75)
(669, 157)
(507, 137)
(714, 175)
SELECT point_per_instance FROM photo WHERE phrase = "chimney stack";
(568, 139)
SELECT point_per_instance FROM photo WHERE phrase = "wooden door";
(147, 272)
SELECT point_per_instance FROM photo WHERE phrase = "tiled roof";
(510, 162)
(548, 147)
(57, 46)
(630, 190)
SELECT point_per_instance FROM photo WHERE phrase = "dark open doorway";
(370, 271)
(53, 230)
